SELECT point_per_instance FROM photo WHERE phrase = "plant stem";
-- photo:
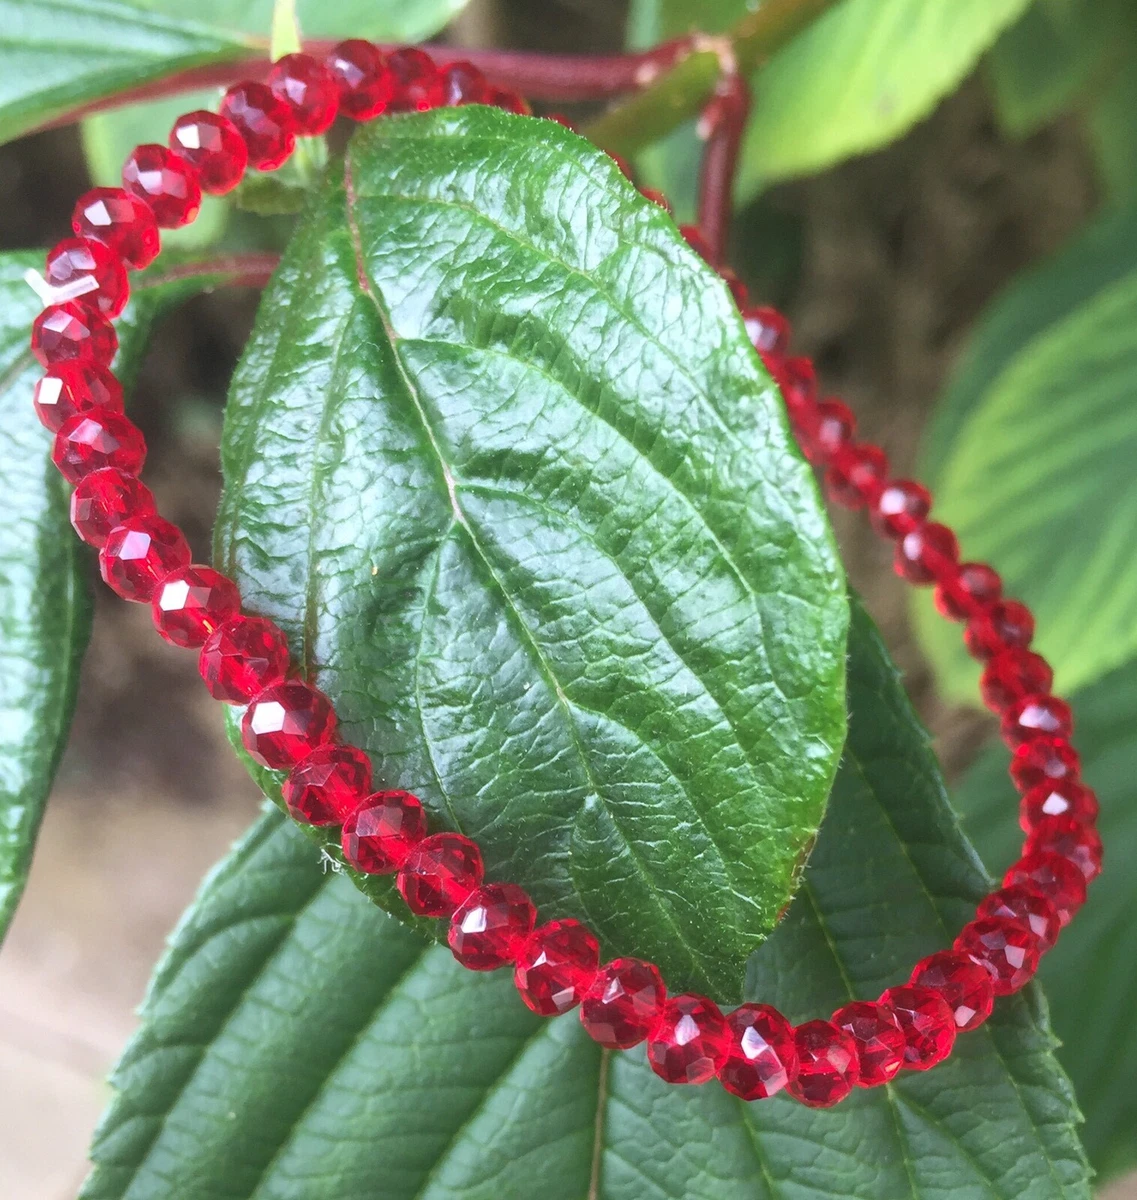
(232, 270)
(722, 125)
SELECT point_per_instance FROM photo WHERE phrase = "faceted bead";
(768, 330)
(1058, 799)
(286, 722)
(140, 552)
(1037, 716)
(308, 88)
(104, 499)
(491, 926)
(379, 836)
(899, 508)
(66, 333)
(833, 431)
(73, 388)
(92, 274)
(96, 439)
(1070, 839)
(243, 657)
(511, 101)
(166, 182)
(964, 985)
(926, 554)
(856, 475)
(927, 1022)
(265, 124)
(118, 220)
(1059, 880)
(959, 597)
(1003, 625)
(880, 1042)
(463, 83)
(1028, 907)
(440, 872)
(1011, 675)
(827, 1064)
(329, 785)
(693, 236)
(365, 84)
(689, 1043)
(213, 146)
(761, 1055)
(191, 602)
(1005, 949)
(624, 1003)
(1044, 760)
(418, 82)
(557, 967)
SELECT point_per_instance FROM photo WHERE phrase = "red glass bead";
(693, 236)
(739, 292)
(104, 499)
(689, 1042)
(1011, 675)
(1071, 840)
(964, 985)
(1062, 883)
(491, 926)
(1037, 716)
(768, 330)
(827, 1064)
(511, 101)
(900, 507)
(379, 836)
(212, 145)
(657, 198)
(926, 554)
(556, 967)
(265, 123)
(366, 86)
(73, 388)
(329, 785)
(927, 1022)
(417, 81)
(118, 220)
(1005, 949)
(166, 182)
(463, 83)
(1026, 906)
(440, 872)
(286, 722)
(1003, 625)
(191, 602)
(92, 273)
(1062, 798)
(140, 552)
(880, 1041)
(65, 333)
(958, 597)
(761, 1055)
(309, 90)
(96, 439)
(1044, 760)
(243, 657)
(856, 475)
(624, 1003)
(833, 431)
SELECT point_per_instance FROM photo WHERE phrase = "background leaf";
(1031, 458)
(527, 506)
(296, 1042)
(1091, 977)
(1113, 133)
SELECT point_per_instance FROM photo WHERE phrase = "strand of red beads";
(291, 725)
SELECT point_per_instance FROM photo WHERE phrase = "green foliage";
(525, 502)
(1031, 460)
(1091, 977)
(296, 1042)
(1113, 133)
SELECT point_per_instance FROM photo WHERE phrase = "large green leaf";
(1091, 977)
(298, 1043)
(1031, 460)
(856, 78)
(501, 460)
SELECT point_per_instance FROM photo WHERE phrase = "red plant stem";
(722, 124)
(232, 270)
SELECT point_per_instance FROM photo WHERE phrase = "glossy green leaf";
(526, 503)
(1091, 977)
(1031, 461)
(298, 1043)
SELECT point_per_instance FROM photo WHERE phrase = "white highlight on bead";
(50, 294)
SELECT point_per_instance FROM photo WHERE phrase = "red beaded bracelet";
(291, 725)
